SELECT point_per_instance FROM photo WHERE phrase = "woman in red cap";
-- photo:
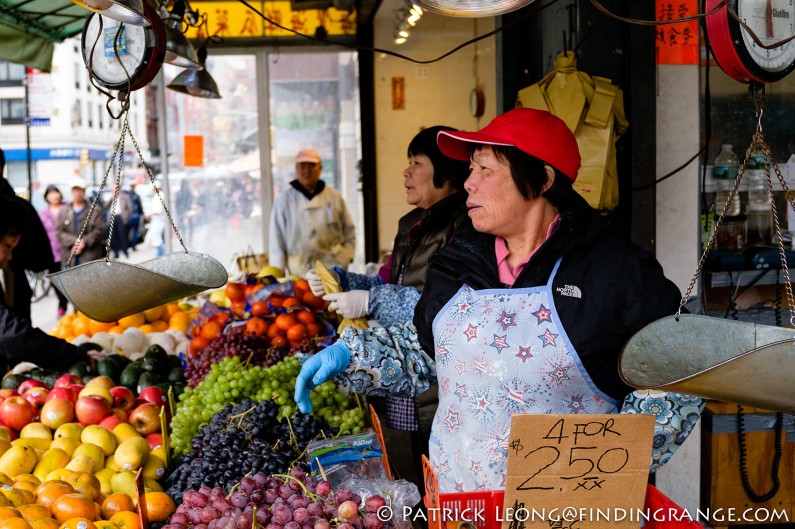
(525, 311)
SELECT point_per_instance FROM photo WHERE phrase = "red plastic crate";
(478, 508)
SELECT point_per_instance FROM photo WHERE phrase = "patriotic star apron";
(500, 352)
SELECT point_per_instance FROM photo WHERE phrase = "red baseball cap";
(535, 132)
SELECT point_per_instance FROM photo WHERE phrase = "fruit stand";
(188, 407)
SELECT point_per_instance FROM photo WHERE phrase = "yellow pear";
(72, 430)
(59, 474)
(124, 431)
(99, 436)
(93, 452)
(131, 454)
(102, 391)
(104, 476)
(110, 463)
(124, 482)
(36, 429)
(19, 459)
(101, 381)
(160, 452)
(151, 485)
(155, 468)
(36, 443)
(81, 463)
(67, 444)
(50, 460)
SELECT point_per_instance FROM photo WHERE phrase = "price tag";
(380, 435)
(577, 471)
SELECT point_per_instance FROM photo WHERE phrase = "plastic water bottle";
(758, 192)
(727, 165)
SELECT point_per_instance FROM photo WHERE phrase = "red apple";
(16, 412)
(31, 383)
(91, 409)
(5, 393)
(116, 417)
(146, 419)
(123, 398)
(67, 380)
(154, 440)
(56, 412)
(36, 396)
(77, 388)
(62, 393)
(154, 395)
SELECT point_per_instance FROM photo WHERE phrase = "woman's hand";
(352, 304)
(315, 283)
(324, 365)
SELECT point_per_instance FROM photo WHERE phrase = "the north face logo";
(570, 291)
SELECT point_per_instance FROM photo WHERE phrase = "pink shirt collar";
(507, 275)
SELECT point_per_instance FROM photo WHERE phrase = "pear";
(52, 459)
(81, 463)
(37, 443)
(94, 453)
(60, 474)
(19, 459)
(151, 485)
(132, 453)
(99, 436)
(4, 446)
(72, 430)
(17, 497)
(104, 476)
(36, 429)
(67, 444)
(124, 482)
(155, 468)
(124, 431)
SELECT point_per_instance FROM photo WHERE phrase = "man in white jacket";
(310, 221)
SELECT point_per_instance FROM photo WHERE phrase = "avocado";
(130, 375)
(155, 364)
(109, 368)
(51, 379)
(90, 346)
(147, 379)
(122, 361)
(176, 375)
(12, 381)
(81, 369)
(174, 361)
(156, 350)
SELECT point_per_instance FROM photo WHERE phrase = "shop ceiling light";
(197, 83)
(127, 11)
(471, 8)
(179, 51)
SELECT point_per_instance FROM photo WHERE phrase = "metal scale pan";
(733, 361)
(106, 290)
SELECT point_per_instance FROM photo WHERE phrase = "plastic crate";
(456, 510)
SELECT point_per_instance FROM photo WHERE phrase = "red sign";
(677, 43)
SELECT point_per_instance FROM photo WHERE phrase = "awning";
(28, 29)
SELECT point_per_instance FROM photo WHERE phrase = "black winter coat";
(621, 287)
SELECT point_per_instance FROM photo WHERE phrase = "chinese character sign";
(677, 43)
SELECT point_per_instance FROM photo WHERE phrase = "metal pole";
(163, 144)
(27, 135)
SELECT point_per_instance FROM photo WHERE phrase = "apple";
(115, 418)
(8, 432)
(154, 440)
(67, 380)
(36, 396)
(77, 388)
(56, 412)
(101, 380)
(5, 393)
(146, 419)
(96, 390)
(154, 395)
(123, 398)
(62, 393)
(91, 409)
(16, 412)
(31, 383)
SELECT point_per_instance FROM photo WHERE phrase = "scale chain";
(116, 190)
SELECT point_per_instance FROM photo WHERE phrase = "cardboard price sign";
(577, 471)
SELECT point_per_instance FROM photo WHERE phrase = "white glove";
(315, 283)
(352, 304)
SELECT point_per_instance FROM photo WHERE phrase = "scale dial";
(141, 50)
(736, 52)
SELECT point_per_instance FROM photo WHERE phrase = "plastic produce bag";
(401, 496)
(348, 457)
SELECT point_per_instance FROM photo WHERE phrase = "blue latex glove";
(322, 366)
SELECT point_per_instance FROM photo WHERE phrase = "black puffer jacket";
(605, 289)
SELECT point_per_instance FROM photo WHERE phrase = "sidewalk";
(44, 312)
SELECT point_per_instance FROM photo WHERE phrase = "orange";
(116, 502)
(256, 326)
(134, 320)
(297, 332)
(159, 506)
(81, 326)
(85, 483)
(33, 511)
(14, 523)
(116, 329)
(156, 313)
(160, 326)
(78, 522)
(26, 485)
(50, 491)
(285, 321)
(235, 291)
(9, 512)
(290, 301)
(97, 326)
(301, 287)
(198, 344)
(28, 477)
(147, 328)
(44, 523)
(70, 506)
(306, 317)
(171, 309)
(127, 520)
(211, 330)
